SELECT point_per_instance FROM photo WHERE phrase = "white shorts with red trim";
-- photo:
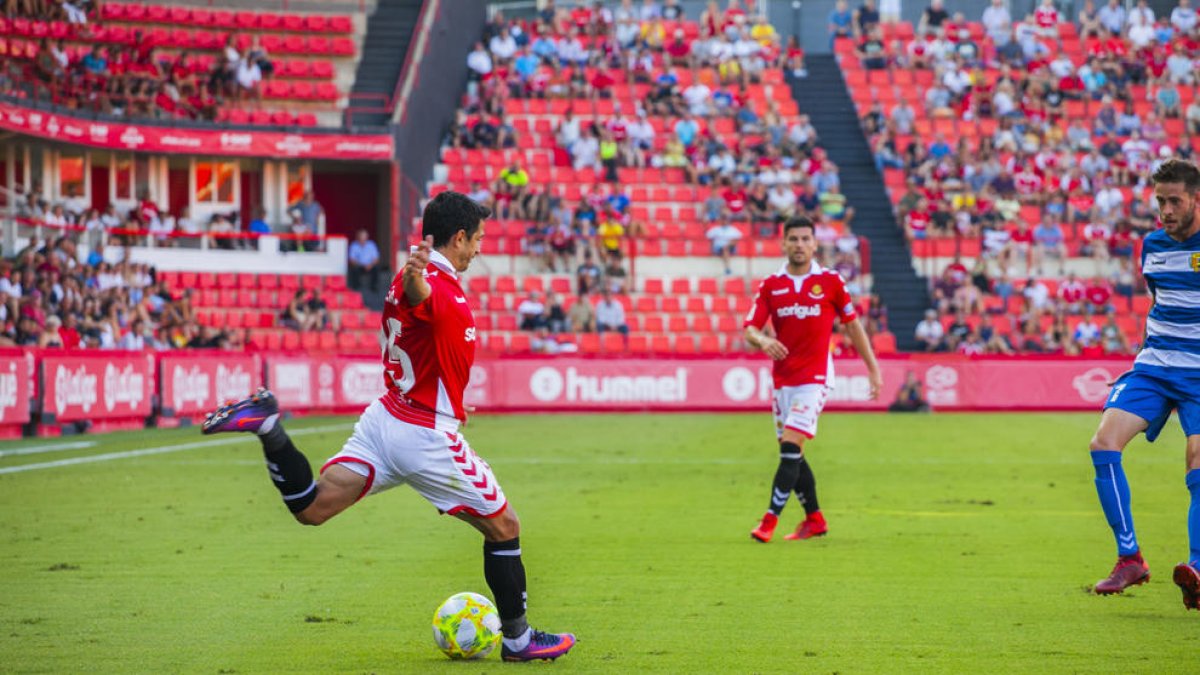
(797, 408)
(439, 465)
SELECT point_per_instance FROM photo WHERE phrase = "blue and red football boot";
(544, 646)
(247, 415)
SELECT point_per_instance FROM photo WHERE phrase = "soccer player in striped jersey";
(1165, 377)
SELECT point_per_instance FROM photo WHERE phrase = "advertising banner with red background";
(745, 383)
(97, 385)
(151, 138)
(193, 383)
(16, 386)
(335, 383)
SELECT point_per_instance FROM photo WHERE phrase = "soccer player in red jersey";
(411, 434)
(801, 301)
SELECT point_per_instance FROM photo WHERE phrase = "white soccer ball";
(466, 626)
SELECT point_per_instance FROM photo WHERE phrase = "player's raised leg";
(1117, 428)
(310, 501)
(1187, 575)
(505, 575)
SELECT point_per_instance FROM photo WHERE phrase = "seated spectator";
(929, 332)
(610, 314)
(587, 275)
(582, 316)
(1112, 339)
(363, 263)
(871, 51)
(556, 316)
(532, 313)
(910, 397)
(724, 240)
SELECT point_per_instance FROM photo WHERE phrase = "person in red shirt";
(801, 301)
(411, 434)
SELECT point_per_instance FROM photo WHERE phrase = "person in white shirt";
(479, 61)
(135, 339)
(997, 22)
(650, 10)
(697, 98)
(783, 200)
(502, 45)
(610, 315)
(586, 152)
(1037, 294)
(929, 331)
(248, 74)
(1142, 11)
(1141, 33)
(1183, 17)
(724, 240)
(532, 312)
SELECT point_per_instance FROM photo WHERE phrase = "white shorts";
(439, 465)
(797, 408)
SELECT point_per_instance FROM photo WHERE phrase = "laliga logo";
(74, 388)
(546, 384)
(232, 383)
(1092, 385)
(361, 383)
(739, 384)
(8, 388)
(190, 385)
(125, 386)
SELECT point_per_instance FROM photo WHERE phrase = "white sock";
(268, 424)
(518, 643)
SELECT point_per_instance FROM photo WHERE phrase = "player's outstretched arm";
(416, 289)
(769, 345)
(863, 344)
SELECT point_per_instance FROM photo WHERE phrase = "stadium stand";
(597, 133)
(176, 62)
(1016, 154)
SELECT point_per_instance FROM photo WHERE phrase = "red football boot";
(1130, 570)
(1188, 581)
(812, 526)
(766, 528)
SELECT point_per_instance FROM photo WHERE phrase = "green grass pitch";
(958, 543)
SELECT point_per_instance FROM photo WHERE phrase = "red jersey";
(429, 350)
(802, 310)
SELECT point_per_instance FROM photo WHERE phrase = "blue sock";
(1193, 484)
(1113, 490)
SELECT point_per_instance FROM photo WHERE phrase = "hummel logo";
(460, 300)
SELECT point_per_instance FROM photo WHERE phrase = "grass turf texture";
(957, 543)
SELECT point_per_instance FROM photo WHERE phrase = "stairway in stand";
(824, 97)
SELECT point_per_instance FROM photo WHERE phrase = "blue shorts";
(1153, 397)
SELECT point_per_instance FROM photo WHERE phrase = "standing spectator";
(841, 22)
(311, 213)
(364, 262)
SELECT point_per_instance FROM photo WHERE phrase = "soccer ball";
(466, 626)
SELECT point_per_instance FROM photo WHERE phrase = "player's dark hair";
(1177, 170)
(450, 212)
(798, 221)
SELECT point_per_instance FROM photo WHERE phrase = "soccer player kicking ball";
(801, 301)
(411, 434)
(1165, 376)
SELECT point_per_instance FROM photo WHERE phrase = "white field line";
(158, 450)
(38, 449)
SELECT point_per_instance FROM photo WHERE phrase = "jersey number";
(398, 358)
